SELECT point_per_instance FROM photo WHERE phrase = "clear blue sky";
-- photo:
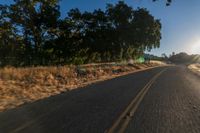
(180, 21)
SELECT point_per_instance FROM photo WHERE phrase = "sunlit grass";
(21, 85)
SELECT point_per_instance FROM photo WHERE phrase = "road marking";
(122, 122)
(109, 131)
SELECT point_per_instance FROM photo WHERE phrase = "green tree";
(37, 20)
(32, 33)
(136, 29)
(9, 41)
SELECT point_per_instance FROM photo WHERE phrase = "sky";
(180, 21)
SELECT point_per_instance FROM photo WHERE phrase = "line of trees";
(184, 58)
(33, 33)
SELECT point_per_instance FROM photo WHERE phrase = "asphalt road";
(159, 100)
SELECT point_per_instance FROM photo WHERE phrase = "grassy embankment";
(195, 68)
(24, 85)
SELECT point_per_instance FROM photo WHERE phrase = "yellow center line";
(122, 122)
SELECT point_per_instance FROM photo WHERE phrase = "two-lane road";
(159, 100)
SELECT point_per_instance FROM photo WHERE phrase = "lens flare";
(195, 49)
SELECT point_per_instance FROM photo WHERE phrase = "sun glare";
(195, 49)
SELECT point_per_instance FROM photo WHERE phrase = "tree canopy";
(184, 58)
(32, 33)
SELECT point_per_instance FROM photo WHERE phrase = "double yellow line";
(122, 122)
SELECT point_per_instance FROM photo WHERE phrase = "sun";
(195, 49)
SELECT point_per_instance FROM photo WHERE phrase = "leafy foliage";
(32, 33)
(184, 58)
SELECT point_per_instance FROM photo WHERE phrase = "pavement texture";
(171, 105)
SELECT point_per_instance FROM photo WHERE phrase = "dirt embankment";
(24, 85)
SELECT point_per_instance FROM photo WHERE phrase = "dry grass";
(22, 85)
(195, 68)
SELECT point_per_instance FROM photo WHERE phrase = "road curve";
(171, 104)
